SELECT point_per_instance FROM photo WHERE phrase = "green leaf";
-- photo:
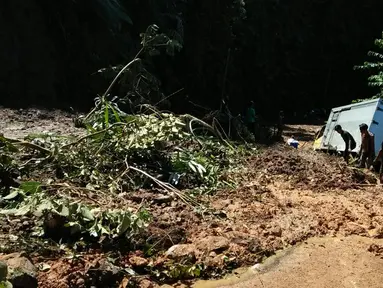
(118, 119)
(12, 148)
(46, 205)
(124, 225)
(86, 213)
(192, 167)
(64, 211)
(130, 271)
(106, 115)
(24, 210)
(31, 187)
(11, 195)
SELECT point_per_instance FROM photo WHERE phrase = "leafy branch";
(151, 40)
(374, 67)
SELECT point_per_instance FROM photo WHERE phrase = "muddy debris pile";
(311, 170)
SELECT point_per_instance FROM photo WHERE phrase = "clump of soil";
(309, 169)
(376, 249)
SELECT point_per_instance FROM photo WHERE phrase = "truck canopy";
(350, 117)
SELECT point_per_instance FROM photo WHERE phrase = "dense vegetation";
(296, 56)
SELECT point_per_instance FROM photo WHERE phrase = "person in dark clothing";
(251, 118)
(378, 162)
(280, 124)
(367, 149)
(348, 140)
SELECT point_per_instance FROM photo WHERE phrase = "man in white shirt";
(292, 142)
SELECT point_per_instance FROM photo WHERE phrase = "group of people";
(367, 150)
(367, 157)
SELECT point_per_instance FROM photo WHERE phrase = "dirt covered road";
(283, 198)
(351, 262)
(19, 123)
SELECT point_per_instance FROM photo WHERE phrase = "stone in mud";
(108, 268)
(138, 261)
(376, 233)
(163, 199)
(213, 243)
(22, 273)
(217, 261)
(276, 231)
(145, 283)
(181, 250)
(102, 273)
(355, 229)
(254, 246)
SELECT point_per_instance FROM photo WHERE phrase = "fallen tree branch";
(185, 198)
(210, 128)
(29, 145)
(135, 59)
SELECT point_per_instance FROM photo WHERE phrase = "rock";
(376, 249)
(216, 261)
(163, 199)
(212, 254)
(213, 243)
(80, 282)
(376, 233)
(276, 231)
(147, 284)
(3, 271)
(107, 267)
(138, 261)
(254, 246)
(355, 229)
(22, 273)
(140, 196)
(181, 250)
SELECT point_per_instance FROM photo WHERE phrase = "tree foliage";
(375, 68)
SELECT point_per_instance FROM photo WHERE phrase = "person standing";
(367, 149)
(349, 141)
(250, 117)
(281, 117)
(379, 160)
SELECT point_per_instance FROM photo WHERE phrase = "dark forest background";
(290, 55)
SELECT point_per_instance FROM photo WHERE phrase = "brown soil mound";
(307, 169)
(286, 196)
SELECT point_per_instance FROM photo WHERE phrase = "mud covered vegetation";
(106, 189)
(154, 198)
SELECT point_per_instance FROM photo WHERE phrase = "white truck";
(350, 117)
